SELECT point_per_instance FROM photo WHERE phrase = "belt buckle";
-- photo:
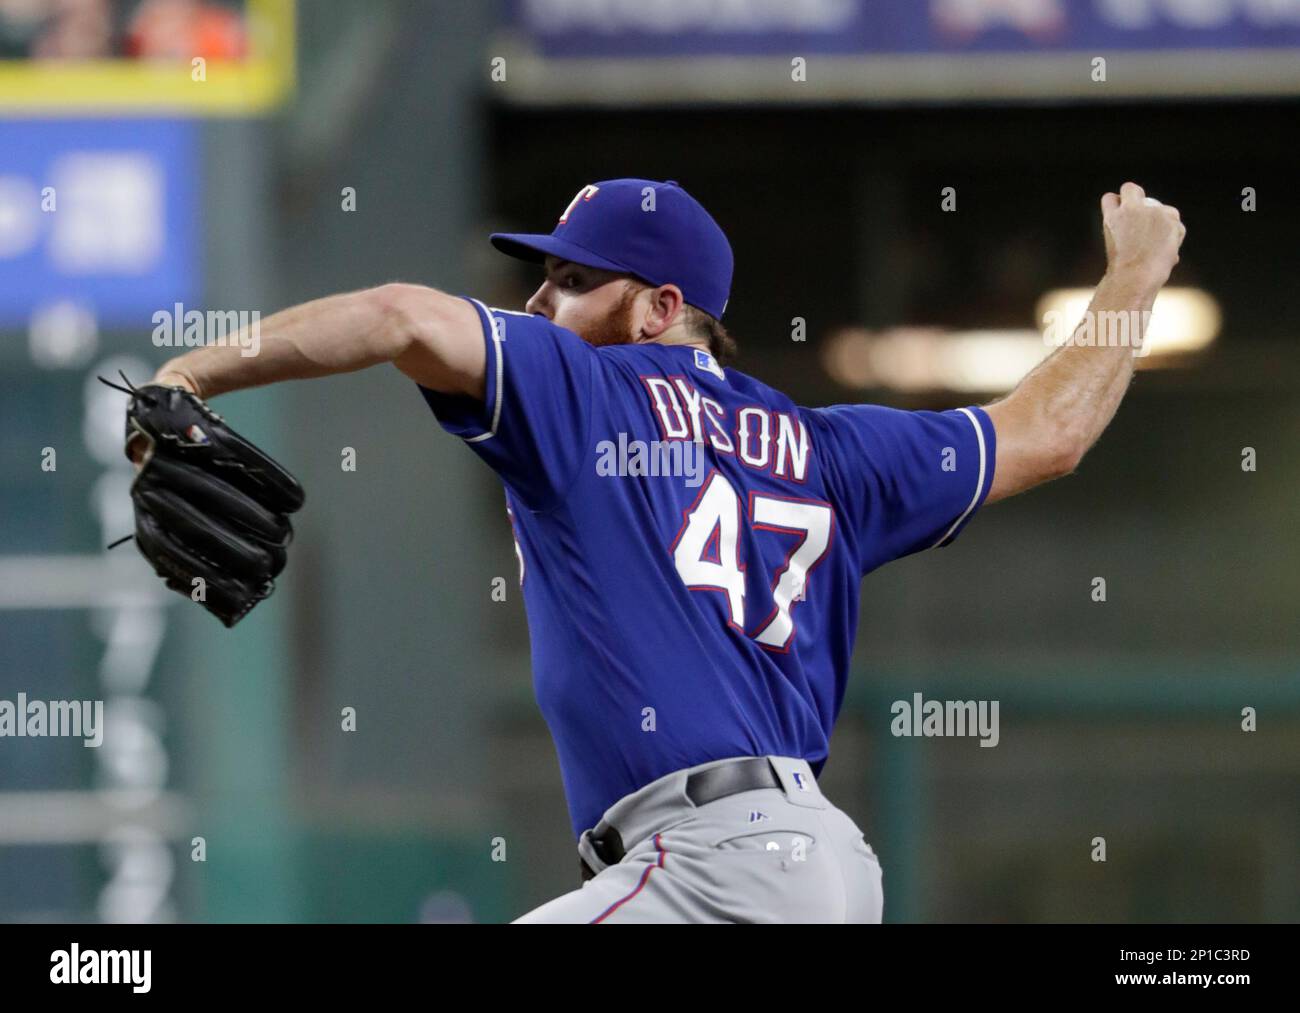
(607, 842)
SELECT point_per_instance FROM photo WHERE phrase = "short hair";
(721, 344)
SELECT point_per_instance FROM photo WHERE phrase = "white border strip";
(979, 437)
(712, 79)
(89, 581)
(500, 373)
(90, 817)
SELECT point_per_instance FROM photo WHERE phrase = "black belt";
(702, 787)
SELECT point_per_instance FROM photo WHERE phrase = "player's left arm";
(1055, 415)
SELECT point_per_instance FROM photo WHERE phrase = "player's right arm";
(432, 337)
(526, 411)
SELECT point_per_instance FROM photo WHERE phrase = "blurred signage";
(670, 27)
(146, 57)
(98, 215)
(920, 48)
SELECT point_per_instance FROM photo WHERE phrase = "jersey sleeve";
(905, 480)
(534, 420)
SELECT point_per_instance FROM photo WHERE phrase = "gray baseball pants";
(766, 855)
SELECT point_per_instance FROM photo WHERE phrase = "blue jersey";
(692, 544)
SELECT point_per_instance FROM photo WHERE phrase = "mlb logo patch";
(196, 435)
(800, 781)
(706, 362)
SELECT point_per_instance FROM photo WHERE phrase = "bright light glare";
(1182, 319)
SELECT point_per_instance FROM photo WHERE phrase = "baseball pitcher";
(691, 542)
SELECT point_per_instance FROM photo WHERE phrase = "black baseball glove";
(211, 510)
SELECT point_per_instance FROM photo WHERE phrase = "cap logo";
(586, 193)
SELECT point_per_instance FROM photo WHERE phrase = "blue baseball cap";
(656, 231)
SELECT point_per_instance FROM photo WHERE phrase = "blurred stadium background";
(200, 153)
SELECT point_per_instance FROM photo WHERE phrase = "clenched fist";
(1142, 235)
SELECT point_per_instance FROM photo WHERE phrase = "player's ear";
(665, 308)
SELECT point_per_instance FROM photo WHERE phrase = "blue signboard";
(624, 29)
(101, 213)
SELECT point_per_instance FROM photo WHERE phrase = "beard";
(615, 327)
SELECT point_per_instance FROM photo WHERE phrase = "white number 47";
(706, 555)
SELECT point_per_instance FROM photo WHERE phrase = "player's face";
(596, 305)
